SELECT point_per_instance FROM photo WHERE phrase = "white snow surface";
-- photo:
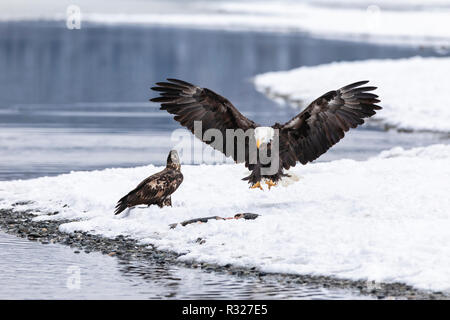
(384, 219)
(413, 91)
(406, 21)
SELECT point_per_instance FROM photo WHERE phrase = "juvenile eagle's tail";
(121, 205)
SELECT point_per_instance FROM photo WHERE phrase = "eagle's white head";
(263, 135)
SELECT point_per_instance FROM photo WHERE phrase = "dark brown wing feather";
(191, 103)
(152, 190)
(324, 122)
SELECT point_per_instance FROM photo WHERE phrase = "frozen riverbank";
(372, 220)
(150, 264)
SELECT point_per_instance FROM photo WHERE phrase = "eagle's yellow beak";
(258, 143)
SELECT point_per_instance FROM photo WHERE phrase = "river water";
(30, 270)
(78, 100)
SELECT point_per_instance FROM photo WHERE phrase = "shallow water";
(77, 100)
(29, 270)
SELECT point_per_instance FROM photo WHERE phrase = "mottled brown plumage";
(304, 138)
(156, 189)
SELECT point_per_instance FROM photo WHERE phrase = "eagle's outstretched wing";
(323, 123)
(191, 103)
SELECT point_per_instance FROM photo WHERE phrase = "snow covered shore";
(413, 91)
(406, 22)
(384, 219)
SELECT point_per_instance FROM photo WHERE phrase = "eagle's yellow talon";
(270, 183)
(256, 185)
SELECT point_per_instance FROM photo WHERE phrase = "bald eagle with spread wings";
(302, 139)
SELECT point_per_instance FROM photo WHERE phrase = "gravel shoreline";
(21, 224)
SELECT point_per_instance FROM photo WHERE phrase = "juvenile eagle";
(156, 189)
(303, 138)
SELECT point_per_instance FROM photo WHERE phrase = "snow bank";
(397, 4)
(384, 219)
(407, 21)
(413, 91)
(364, 20)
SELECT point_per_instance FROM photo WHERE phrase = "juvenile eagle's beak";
(258, 143)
